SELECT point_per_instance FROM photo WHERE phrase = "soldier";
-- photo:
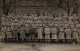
(4, 36)
(22, 33)
(32, 33)
(27, 30)
(40, 32)
(68, 33)
(47, 33)
(9, 35)
(36, 34)
(78, 30)
(61, 34)
(75, 36)
(53, 31)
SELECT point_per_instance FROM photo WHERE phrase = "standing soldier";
(22, 33)
(54, 33)
(40, 31)
(27, 32)
(32, 33)
(68, 33)
(9, 35)
(4, 29)
(61, 34)
(75, 36)
(47, 33)
(36, 34)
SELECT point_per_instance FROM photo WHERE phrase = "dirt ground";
(39, 47)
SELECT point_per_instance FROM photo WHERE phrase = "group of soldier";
(49, 32)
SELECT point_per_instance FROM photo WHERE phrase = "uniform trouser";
(61, 40)
(47, 38)
(75, 40)
(40, 36)
(68, 37)
(54, 36)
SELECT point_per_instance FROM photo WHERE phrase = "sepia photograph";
(39, 25)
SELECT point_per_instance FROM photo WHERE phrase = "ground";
(39, 47)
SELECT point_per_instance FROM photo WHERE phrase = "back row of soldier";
(41, 20)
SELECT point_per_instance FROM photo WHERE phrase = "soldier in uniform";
(9, 36)
(26, 32)
(68, 33)
(36, 34)
(53, 31)
(74, 36)
(47, 33)
(61, 34)
(4, 36)
(22, 33)
(32, 33)
(40, 32)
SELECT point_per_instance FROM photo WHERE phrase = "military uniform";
(9, 35)
(47, 33)
(61, 36)
(75, 35)
(40, 31)
(68, 34)
(54, 33)
(22, 33)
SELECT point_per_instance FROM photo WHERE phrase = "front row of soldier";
(49, 34)
(60, 34)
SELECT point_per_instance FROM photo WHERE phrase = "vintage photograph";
(39, 25)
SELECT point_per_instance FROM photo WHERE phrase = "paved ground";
(38, 47)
